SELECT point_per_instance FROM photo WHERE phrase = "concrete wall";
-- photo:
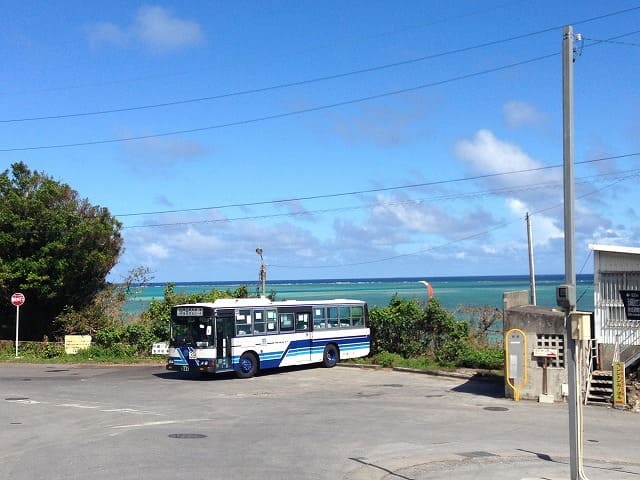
(544, 327)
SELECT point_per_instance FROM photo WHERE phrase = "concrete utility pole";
(263, 272)
(532, 271)
(575, 403)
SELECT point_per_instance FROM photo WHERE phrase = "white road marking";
(161, 422)
(76, 405)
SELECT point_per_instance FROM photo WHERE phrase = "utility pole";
(575, 403)
(263, 272)
(532, 272)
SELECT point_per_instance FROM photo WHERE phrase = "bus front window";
(192, 332)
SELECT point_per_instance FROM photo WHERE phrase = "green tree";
(55, 247)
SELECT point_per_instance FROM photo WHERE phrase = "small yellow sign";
(619, 385)
(73, 343)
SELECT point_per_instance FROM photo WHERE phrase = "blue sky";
(347, 139)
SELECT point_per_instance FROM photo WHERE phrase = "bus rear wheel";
(248, 365)
(331, 356)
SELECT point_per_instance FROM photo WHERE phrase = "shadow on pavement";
(480, 386)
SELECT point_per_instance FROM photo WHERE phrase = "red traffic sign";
(17, 299)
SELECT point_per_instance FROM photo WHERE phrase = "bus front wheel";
(331, 356)
(248, 365)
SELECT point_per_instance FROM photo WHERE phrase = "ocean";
(451, 292)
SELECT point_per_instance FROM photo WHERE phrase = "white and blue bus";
(249, 334)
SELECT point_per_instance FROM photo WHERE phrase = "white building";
(615, 268)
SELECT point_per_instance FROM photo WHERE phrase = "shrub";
(98, 353)
(139, 337)
(387, 359)
(488, 358)
(108, 336)
(53, 351)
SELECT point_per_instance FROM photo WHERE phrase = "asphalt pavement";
(141, 422)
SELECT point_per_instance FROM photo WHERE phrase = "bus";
(247, 335)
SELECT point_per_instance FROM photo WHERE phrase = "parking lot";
(139, 422)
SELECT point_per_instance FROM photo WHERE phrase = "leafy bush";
(408, 329)
(108, 336)
(115, 352)
(140, 337)
(53, 351)
(388, 360)
(397, 328)
(488, 358)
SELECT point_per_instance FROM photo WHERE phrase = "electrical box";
(580, 325)
(566, 296)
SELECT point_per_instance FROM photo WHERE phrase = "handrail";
(590, 354)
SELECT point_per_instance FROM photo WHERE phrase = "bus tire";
(247, 366)
(331, 356)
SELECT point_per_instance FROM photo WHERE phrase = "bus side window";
(258, 322)
(319, 322)
(302, 322)
(345, 317)
(272, 321)
(332, 320)
(243, 322)
(286, 322)
(357, 315)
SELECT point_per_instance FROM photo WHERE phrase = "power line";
(290, 113)
(295, 52)
(276, 116)
(446, 244)
(282, 85)
(613, 41)
(312, 80)
(302, 213)
(375, 190)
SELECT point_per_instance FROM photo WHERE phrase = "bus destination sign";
(631, 301)
(190, 312)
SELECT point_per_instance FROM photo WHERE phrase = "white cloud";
(154, 27)
(521, 114)
(488, 155)
(156, 251)
(484, 152)
(544, 229)
(193, 241)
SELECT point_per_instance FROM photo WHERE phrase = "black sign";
(631, 300)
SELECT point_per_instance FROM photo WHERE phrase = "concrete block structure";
(545, 331)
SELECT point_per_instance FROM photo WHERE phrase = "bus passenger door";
(303, 333)
(224, 333)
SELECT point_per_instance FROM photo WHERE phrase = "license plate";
(184, 368)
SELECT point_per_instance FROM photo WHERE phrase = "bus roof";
(265, 302)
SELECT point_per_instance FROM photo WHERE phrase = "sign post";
(619, 386)
(17, 299)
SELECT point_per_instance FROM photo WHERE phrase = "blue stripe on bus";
(308, 347)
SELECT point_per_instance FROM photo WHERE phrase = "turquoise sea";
(452, 292)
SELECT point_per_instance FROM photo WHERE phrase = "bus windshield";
(191, 331)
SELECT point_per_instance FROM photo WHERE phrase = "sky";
(347, 139)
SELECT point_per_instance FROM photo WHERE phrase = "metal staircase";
(599, 388)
